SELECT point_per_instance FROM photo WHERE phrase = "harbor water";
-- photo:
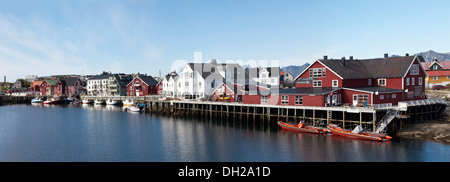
(107, 133)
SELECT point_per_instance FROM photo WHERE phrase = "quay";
(378, 118)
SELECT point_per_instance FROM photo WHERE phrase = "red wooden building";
(142, 85)
(228, 92)
(72, 86)
(354, 82)
(51, 87)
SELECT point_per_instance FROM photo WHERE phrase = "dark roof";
(306, 90)
(149, 80)
(98, 77)
(371, 68)
(123, 79)
(376, 89)
(69, 81)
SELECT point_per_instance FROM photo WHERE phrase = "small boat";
(96, 101)
(301, 127)
(111, 102)
(53, 100)
(358, 134)
(68, 100)
(36, 100)
(133, 109)
(86, 101)
(128, 102)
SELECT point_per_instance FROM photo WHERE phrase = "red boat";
(300, 127)
(366, 136)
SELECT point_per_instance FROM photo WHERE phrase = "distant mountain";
(295, 70)
(430, 55)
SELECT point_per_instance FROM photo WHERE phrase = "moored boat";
(86, 101)
(128, 102)
(111, 102)
(36, 100)
(96, 101)
(301, 127)
(133, 109)
(358, 134)
(54, 100)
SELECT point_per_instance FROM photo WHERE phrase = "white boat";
(132, 109)
(96, 101)
(111, 102)
(86, 101)
(128, 102)
(54, 100)
(36, 100)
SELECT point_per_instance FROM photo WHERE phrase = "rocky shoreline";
(435, 131)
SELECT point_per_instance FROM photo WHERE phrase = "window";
(407, 81)
(284, 99)
(420, 80)
(369, 82)
(317, 83)
(435, 78)
(448, 77)
(298, 100)
(263, 76)
(382, 81)
(263, 99)
(200, 84)
(435, 67)
(414, 69)
(143, 87)
(394, 96)
(316, 72)
(335, 83)
(381, 97)
(413, 81)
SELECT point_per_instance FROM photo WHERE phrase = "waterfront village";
(385, 82)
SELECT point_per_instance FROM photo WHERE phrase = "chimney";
(406, 54)
(351, 58)
(325, 57)
(343, 59)
(386, 55)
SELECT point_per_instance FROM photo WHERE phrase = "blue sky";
(44, 37)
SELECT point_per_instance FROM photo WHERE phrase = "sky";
(50, 37)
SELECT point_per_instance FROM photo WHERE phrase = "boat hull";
(303, 129)
(341, 132)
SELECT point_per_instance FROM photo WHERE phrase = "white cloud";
(27, 47)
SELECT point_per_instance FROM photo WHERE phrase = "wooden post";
(374, 119)
(343, 119)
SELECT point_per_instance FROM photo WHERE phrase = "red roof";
(439, 73)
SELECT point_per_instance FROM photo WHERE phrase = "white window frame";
(381, 97)
(394, 96)
(284, 99)
(380, 81)
(298, 100)
(407, 81)
(414, 69)
(420, 81)
(333, 83)
(435, 78)
(317, 83)
(263, 99)
(413, 81)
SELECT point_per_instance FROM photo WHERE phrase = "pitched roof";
(37, 82)
(439, 73)
(149, 80)
(444, 64)
(69, 81)
(371, 68)
(52, 82)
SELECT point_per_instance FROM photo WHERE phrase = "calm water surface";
(106, 133)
